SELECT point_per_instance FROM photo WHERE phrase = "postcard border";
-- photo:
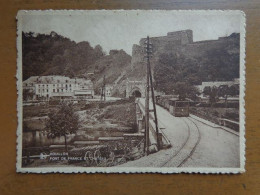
(162, 170)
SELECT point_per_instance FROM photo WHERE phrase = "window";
(43, 90)
(39, 91)
(47, 90)
(58, 90)
(53, 90)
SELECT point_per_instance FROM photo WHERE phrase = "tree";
(185, 90)
(180, 88)
(54, 54)
(223, 91)
(234, 90)
(27, 94)
(193, 92)
(63, 122)
(212, 93)
(207, 90)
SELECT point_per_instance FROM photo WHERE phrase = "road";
(194, 144)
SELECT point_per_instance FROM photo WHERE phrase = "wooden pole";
(101, 93)
(154, 109)
(150, 82)
(147, 100)
(104, 87)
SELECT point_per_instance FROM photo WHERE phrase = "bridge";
(186, 141)
(140, 118)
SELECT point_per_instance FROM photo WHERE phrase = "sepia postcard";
(131, 91)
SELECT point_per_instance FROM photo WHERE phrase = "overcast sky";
(122, 29)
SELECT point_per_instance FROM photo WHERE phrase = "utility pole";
(154, 111)
(103, 89)
(147, 97)
(149, 83)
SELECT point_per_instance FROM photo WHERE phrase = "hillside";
(176, 58)
(57, 55)
(113, 66)
(54, 54)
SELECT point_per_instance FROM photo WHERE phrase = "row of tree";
(222, 91)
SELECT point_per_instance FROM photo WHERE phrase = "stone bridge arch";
(136, 92)
(135, 88)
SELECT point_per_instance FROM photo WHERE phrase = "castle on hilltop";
(180, 42)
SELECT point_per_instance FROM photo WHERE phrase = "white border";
(163, 170)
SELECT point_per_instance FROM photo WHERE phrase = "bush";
(54, 102)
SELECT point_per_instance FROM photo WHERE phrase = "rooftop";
(56, 79)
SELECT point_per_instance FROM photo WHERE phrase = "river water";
(39, 138)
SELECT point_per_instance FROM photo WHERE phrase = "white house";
(59, 87)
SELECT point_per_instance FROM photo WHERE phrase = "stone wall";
(180, 42)
(132, 86)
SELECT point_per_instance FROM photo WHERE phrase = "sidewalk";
(206, 122)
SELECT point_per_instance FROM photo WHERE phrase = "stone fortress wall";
(180, 42)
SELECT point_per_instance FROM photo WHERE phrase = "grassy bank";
(114, 115)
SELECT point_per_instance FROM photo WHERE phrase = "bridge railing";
(219, 121)
(229, 123)
(163, 141)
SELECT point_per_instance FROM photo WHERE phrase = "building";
(109, 90)
(216, 84)
(59, 87)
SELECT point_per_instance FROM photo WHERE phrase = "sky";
(122, 29)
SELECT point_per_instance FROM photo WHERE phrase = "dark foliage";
(56, 55)
(216, 64)
(63, 122)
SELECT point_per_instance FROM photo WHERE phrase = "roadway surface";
(194, 144)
